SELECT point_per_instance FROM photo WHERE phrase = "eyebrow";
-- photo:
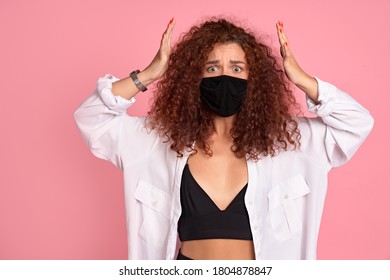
(231, 62)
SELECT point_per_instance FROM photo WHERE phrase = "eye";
(237, 69)
(212, 69)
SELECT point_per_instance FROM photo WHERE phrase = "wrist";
(134, 76)
(148, 76)
(309, 85)
(304, 81)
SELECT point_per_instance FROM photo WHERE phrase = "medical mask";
(223, 94)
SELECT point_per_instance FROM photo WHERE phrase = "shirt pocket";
(286, 205)
(154, 206)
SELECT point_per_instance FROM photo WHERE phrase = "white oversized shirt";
(285, 194)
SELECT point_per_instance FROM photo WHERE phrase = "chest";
(221, 176)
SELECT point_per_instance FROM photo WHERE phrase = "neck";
(222, 127)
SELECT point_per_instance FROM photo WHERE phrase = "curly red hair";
(263, 126)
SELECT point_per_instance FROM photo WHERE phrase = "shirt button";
(285, 196)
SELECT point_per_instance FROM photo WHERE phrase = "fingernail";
(163, 36)
(278, 22)
(286, 44)
(280, 30)
(171, 21)
(281, 24)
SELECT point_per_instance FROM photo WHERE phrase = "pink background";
(59, 202)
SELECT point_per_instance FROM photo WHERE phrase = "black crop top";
(202, 219)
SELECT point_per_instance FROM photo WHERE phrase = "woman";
(220, 169)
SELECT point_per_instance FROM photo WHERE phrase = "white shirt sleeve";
(341, 128)
(100, 119)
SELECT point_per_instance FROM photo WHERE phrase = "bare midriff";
(218, 249)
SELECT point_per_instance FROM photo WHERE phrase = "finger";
(170, 30)
(279, 31)
(166, 36)
(285, 50)
(283, 41)
(171, 24)
(281, 34)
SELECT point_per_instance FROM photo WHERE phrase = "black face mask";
(223, 94)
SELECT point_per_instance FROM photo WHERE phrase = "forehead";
(228, 50)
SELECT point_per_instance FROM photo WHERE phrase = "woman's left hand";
(292, 69)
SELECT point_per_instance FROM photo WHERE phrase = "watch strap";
(137, 82)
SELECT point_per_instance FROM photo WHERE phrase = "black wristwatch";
(137, 82)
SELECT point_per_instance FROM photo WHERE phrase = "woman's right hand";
(155, 70)
(159, 64)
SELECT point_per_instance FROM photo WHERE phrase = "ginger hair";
(263, 126)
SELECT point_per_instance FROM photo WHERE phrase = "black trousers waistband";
(180, 256)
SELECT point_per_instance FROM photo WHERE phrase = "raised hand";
(159, 64)
(291, 67)
(126, 86)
